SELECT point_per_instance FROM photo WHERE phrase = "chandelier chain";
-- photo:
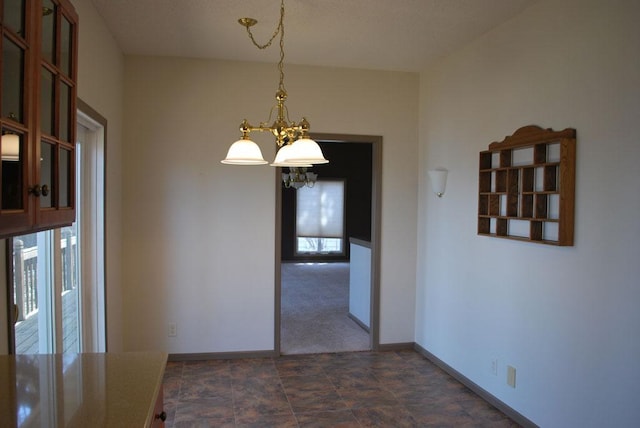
(279, 30)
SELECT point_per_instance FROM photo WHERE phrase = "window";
(320, 218)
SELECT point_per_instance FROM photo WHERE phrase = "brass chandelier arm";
(284, 132)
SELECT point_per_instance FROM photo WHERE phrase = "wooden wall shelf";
(527, 186)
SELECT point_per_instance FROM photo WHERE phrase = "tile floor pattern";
(359, 389)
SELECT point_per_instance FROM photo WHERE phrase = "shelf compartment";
(483, 204)
(536, 231)
(526, 206)
(500, 181)
(485, 182)
(494, 205)
(519, 228)
(505, 158)
(485, 160)
(512, 205)
(540, 154)
(523, 156)
(553, 204)
(528, 179)
(551, 231)
(484, 225)
(541, 206)
(550, 182)
(553, 152)
(502, 227)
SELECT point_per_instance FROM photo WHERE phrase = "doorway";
(310, 286)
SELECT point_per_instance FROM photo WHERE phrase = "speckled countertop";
(80, 390)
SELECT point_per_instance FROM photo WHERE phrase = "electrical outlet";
(511, 376)
(172, 329)
(494, 367)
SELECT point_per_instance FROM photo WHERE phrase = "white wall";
(100, 84)
(566, 318)
(199, 236)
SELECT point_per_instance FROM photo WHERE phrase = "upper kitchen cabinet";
(38, 70)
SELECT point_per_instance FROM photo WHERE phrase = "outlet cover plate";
(511, 376)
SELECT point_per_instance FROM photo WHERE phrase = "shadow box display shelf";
(527, 187)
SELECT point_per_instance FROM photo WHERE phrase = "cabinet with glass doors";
(38, 74)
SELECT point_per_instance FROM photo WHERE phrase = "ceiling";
(400, 35)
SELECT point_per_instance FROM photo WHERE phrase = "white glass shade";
(282, 158)
(438, 179)
(305, 150)
(244, 152)
(10, 147)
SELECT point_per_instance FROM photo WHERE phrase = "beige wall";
(100, 84)
(199, 236)
(565, 318)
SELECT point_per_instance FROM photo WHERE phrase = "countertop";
(80, 390)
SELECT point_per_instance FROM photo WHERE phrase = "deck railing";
(25, 273)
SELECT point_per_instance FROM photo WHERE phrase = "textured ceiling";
(406, 35)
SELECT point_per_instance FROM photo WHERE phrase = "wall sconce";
(438, 179)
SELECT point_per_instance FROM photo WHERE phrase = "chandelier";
(298, 178)
(295, 147)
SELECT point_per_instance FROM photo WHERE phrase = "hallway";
(315, 310)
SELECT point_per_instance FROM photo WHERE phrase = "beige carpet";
(315, 308)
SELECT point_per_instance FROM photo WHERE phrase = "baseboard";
(222, 355)
(406, 346)
(357, 321)
(488, 397)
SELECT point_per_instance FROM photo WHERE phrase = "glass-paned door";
(70, 290)
(33, 293)
(46, 292)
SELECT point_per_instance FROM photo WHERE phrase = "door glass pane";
(12, 80)
(12, 165)
(66, 47)
(47, 152)
(48, 30)
(70, 289)
(65, 112)
(14, 15)
(47, 102)
(32, 285)
(65, 174)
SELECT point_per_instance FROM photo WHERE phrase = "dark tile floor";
(360, 389)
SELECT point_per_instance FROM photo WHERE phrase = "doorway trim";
(376, 227)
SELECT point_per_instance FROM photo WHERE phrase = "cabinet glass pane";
(65, 174)
(11, 147)
(47, 152)
(47, 100)
(66, 47)
(65, 113)
(12, 80)
(48, 30)
(14, 15)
